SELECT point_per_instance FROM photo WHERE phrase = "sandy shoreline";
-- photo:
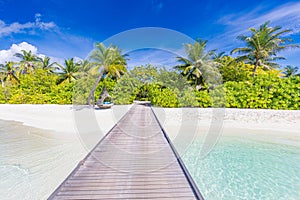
(59, 118)
(279, 124)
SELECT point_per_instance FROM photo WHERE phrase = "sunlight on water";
(244, 169)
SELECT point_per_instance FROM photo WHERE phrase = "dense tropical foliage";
(251, 80)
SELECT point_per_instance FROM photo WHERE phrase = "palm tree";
(28, 61)
(69, 72)
(218, 57)
(198, 62)
(262, 46)
(290, 70)
(7, 72)
(110, 61)
(47, 65)
(87, 68)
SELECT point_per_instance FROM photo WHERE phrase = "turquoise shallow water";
(246, 169)
(33, 163)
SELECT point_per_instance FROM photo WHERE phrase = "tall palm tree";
(47, 65)
(8, 73)
(290, 70)
(69, 72)
(110, 61)
(262, 46)
(28, 61)
(197, 63)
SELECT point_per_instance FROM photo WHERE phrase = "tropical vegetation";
(202, 78)
(109, 61)
(263, 46)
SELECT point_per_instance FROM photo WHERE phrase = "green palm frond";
(69, 72)
(8, 72)
(291, 70)
(110, 59)
(193, 66)
(263, 45)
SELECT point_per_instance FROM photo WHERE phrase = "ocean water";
(33, 162)
(239, 168)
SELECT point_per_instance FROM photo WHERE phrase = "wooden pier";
(135, 160)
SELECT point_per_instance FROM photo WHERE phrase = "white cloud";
(7, 29)
(8, 55)
(43, 25)
(287, 15)
(29, 27)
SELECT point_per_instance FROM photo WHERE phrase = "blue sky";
(65, 28)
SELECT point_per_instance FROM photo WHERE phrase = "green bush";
(125, 90)
(5, 93)
(264, 91)
(82, 88)
(232, 70)
(203, 99)
(188, 98)
(162, 96)
(62, 94)
(34, 88)
(37, 88)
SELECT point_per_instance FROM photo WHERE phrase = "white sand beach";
(273, 124)
(279, 126)
(59, 118)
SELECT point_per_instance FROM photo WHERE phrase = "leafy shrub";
(125, 90)
(5, 93)
(233, 70)
(264, 91)
(162, 96)
(34, 88)
(203, 99)
(188, 98)
(163, 88)
(82, 88)
(37, 88)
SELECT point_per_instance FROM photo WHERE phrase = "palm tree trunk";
(255, 67)
(91, 98)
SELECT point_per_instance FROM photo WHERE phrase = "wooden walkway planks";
(135, 160)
